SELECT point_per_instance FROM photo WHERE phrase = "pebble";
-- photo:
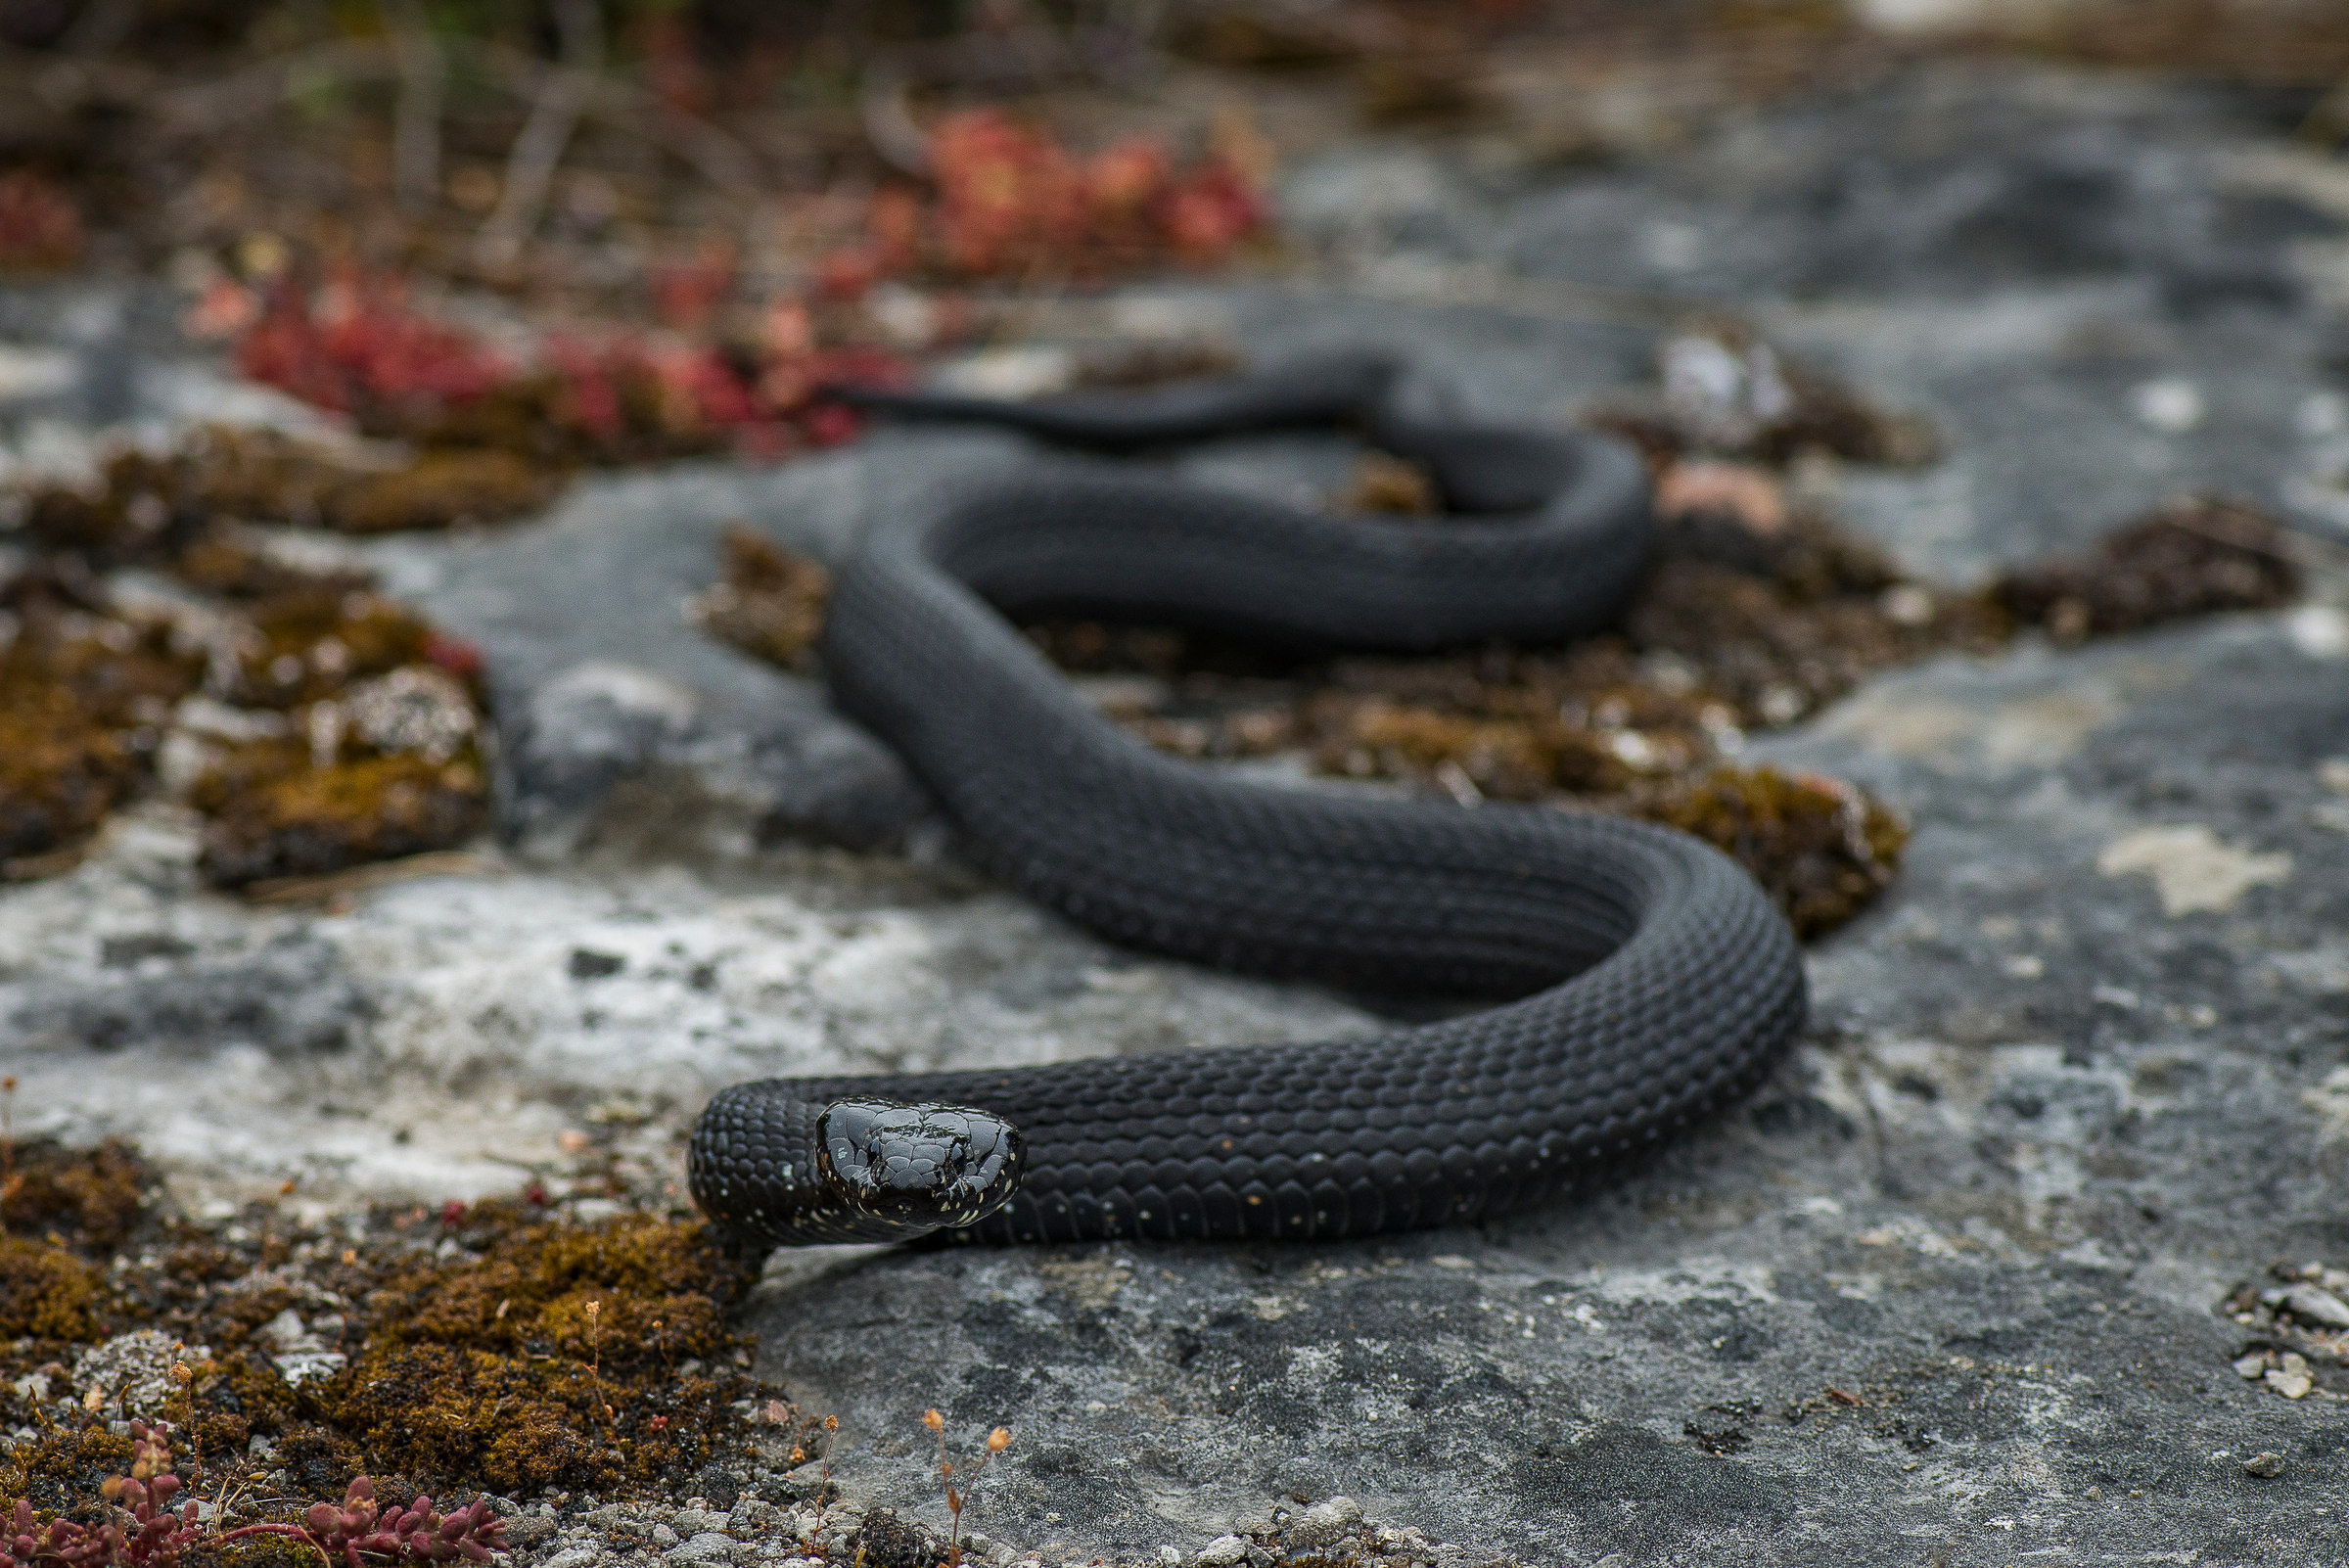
(579, 1556)
(1222, 1552)
(664, 1536)
(2253, 1366)
(2266, 1466)
(694, 1521)
(707, 1545)
(1325, 1523)
(2318, 1305)
(2291, 1379)
(751, 1517)
(528, 1530)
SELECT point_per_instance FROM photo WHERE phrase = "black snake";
(1655, 980)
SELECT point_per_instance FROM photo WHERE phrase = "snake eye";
(944, 1164)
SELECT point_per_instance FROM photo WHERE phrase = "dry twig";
(561, 100)
(416, 121)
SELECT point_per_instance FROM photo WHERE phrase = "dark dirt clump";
(1820, 847)
(769, 601)
(886, 1541)
(2197, 555)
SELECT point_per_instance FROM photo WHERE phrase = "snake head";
(920, 1166)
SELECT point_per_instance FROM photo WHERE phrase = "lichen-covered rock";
(1964, 1276)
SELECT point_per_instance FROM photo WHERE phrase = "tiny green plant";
(959, 1497)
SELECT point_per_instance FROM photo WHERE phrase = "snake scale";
(1654, 981)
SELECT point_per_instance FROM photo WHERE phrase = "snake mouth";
(920, 1165)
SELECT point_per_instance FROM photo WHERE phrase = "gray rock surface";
(1944, 1292)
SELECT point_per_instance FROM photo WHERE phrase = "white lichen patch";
(2191, 867)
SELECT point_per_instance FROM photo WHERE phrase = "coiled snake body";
(1655, 980)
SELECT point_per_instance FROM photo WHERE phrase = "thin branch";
(561, 100)
(882, 104)
(210, 107)
(716, 156)
(207, 108)
(416, 121)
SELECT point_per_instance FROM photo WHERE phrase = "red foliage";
(359, 347)
(145, 1531)
(39, 229)
(1011, 201)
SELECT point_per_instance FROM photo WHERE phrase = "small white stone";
(2318, 1305)
(707, 1545)
(2172, 405)
(1222, 1552)
(2291, 1379)
(2320, 631)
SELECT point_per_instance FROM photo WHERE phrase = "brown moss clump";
(1819, 846)
(237, 1398)
(565, 1356)
(228, 561)
(440, 489)
(312, 641)
(309, 820)
(45, 1293)
(150, 507)
(662, 1288)
(83, 693)
(386, 710)
(1503, 758)
(88, 1198)
(2193, 556)
(770, 601)
(60, 776)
